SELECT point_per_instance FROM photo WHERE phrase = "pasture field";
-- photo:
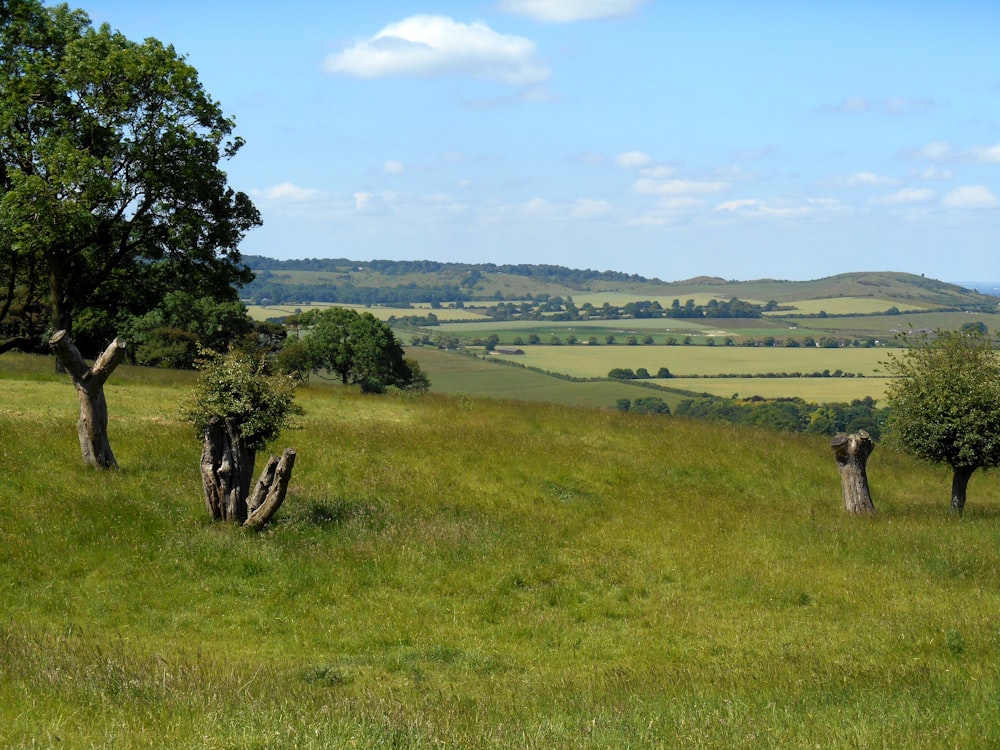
(596, 361)
(846, 306)
(469, 376)
(474, 573)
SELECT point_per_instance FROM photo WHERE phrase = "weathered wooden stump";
(227, 470)
(92, 426)
(851, 452)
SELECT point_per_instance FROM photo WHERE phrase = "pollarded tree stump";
(851, 452)
(92, 427)
(226, 472)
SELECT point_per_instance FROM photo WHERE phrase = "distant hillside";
(401, 283)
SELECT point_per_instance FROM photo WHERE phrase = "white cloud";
(648, 186)
(393, 167)
(286, 191)
(587, 208)
(755, 207)
(566, 11)
(986, 154)
(933, 173)
(935, 151)
(537, 206)
(863, 179)
(970, 196)
(896, 106)
(632, 159)
(656, 173)
(906, 196)
(427, 45)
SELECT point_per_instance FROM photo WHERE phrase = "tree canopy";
(944, 404)
(357, 348)
(111, 193)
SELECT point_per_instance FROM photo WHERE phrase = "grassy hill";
(464, 572)
(395, 282)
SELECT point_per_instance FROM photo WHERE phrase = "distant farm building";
(508, 350)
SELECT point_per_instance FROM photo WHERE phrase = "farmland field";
(846, 306)
(596, 361)
(814, 390)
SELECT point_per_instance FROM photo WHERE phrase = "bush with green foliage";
(238, 388)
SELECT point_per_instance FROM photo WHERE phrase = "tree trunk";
(959, 483)
(226, 471)
(270, 491)
(92, 426)
(851, 452)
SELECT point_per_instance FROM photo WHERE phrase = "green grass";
(463, 572)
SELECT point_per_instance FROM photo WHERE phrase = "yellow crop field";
(815, 390)
(595, 361)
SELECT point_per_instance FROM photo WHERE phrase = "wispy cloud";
(647, 186)
(895, 106)
(286, 191)
(970, 196)
(861, 179)
(587, 208)
(632, 159)
(429, 45)
(905, 197)
(943, 151)
(568, 11)
(393, 167)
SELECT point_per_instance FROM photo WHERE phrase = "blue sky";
(746, 140)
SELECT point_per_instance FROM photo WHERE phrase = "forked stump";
(851, 452)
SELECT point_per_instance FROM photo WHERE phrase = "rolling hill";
(409, 282)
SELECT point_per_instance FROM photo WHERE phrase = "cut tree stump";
(851, 452)
(226, 473)
(92, 426)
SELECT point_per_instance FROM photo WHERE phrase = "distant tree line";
(789, 414)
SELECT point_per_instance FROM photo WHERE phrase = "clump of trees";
(944, 404)
(357, 348)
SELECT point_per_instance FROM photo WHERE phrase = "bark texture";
(92, 426)
(271, 488)
(851, 452)
(226, 474)
(959, 483)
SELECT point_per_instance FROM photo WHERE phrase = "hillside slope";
(456, 572)
(402, 282)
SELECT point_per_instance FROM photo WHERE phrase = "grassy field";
(462, 573)
(458, 572)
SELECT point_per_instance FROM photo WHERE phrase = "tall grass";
(456, 572)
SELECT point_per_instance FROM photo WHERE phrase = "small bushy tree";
(944, 404)
(237, 408)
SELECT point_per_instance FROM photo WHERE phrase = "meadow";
(465, 572)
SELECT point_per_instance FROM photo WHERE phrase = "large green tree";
(944, 404)
(111, 183)
(357, 348)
